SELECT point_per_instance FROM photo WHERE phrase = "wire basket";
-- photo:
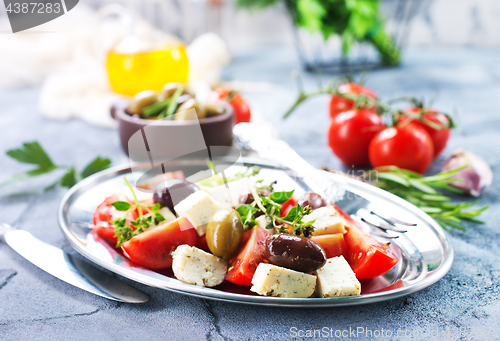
(318, 55)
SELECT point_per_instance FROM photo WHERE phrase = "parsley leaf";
(70, 178)
(33, 153)
(96, 165)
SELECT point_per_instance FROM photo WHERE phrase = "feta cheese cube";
(272, 280)
(167, 214)
(336, 279)
(195, 266)
(198, 208)
(228, 197)
(326, 221)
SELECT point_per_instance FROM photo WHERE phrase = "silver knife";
(68, 268)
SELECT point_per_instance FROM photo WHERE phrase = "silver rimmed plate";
(425, 251)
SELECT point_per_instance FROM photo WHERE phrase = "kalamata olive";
(141, 101)
(224, 233)
(180, 190)
(294, 252)
(246, 197)
(311, 199)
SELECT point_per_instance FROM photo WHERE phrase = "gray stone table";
(35, 305)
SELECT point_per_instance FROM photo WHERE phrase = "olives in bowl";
(170, 193)
(216, 124)
(295, 252)
(171, 103)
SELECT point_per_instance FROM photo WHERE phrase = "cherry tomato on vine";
(407, 146)
(250, 254)
(439, 136)
(240, 106)
(350, 134)
(339, 104)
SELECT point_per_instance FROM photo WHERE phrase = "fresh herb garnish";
(125, 229)
(246, 213)
(271, 207)
(33, 153)
(421, 191)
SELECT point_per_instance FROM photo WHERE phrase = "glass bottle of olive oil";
(133, 67)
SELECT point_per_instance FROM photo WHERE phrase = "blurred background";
(79, 59)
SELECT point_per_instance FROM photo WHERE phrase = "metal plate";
(425, 251)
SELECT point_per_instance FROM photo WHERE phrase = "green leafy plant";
(271, 207)
(33, 153)
(352, 20)
(149, 216)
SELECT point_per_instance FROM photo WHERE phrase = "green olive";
(182, 111)
(213, 109)
(170, 88)
(224, 233)
(142, 100)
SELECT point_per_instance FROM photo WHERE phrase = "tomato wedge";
(201, 243)
(251, 253)
(333, 244)
(104, 214)
(153, 248)
(287, 206)
(367, 257)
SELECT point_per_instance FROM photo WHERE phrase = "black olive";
(246, 197)
(294, 252)
(181, 189)
(311, 199)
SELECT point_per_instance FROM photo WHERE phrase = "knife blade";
(68, 268)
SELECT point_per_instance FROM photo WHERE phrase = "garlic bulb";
(477, 174)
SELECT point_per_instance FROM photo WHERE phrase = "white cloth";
(67, 57)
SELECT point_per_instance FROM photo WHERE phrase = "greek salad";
(241, 230)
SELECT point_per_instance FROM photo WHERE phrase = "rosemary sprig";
(422, 192)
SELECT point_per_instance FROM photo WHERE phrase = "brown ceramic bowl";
(217, 130)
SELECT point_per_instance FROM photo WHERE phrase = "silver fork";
(257, 138)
